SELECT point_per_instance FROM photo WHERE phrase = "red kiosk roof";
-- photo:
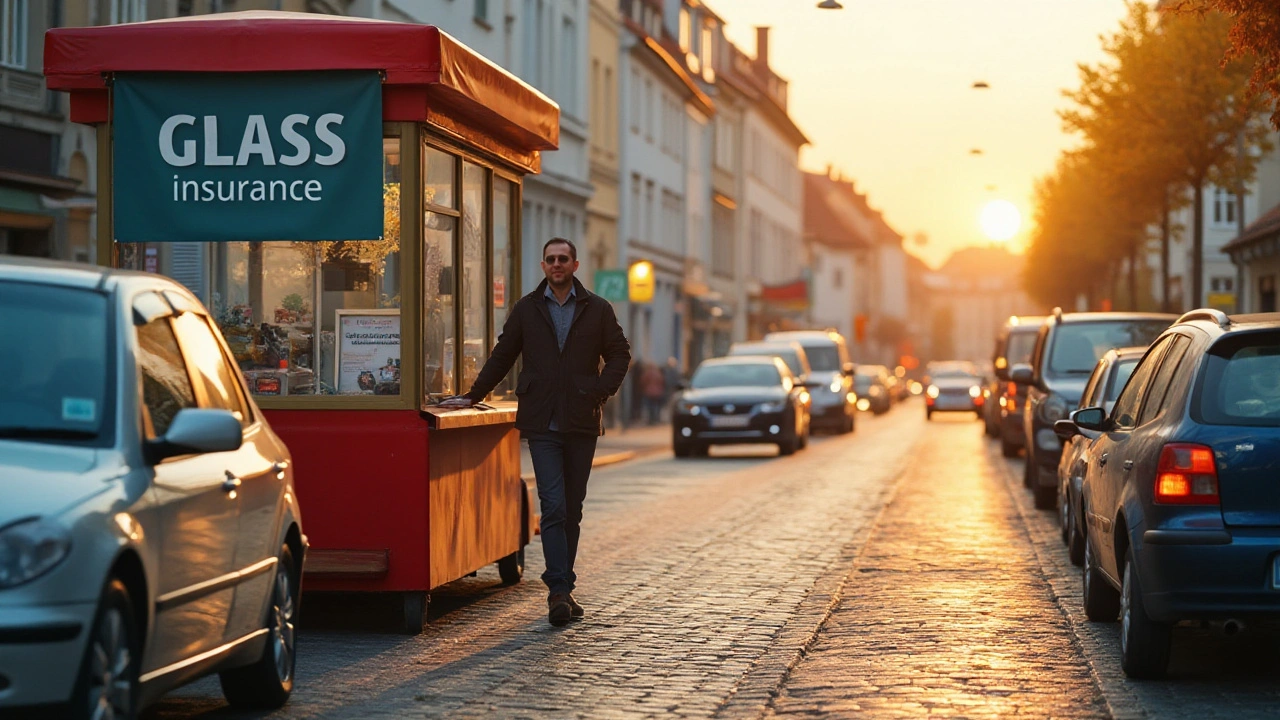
(428, 75)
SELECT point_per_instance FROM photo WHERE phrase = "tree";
(1255, 31)
(1167, 107)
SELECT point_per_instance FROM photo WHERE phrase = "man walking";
(562, 332)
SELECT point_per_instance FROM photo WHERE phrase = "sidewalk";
(616, 446)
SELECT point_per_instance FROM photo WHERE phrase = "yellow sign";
(1226, 302)
(640, 282)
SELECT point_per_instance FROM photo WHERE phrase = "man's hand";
(456, 401)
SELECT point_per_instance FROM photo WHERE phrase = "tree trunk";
(1197, 245)
(1164, 254)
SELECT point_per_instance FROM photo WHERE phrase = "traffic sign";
(611, 285)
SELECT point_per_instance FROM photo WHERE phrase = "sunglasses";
(553, 259)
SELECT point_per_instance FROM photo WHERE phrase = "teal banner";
(247, 156)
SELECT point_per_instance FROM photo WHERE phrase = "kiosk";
(344, 196)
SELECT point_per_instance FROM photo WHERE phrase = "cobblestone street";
(898, 572)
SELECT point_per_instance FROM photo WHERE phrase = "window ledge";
(482, 22)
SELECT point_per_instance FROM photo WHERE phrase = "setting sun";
(1000, 220)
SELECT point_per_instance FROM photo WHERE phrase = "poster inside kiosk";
(216, 157)
(368, 352)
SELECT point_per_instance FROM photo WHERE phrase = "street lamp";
(829, 5)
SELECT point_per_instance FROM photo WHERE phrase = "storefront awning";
(428, 75)
(23, 209)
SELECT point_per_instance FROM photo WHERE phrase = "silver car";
(149, 530)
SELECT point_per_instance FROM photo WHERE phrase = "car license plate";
(729, 421)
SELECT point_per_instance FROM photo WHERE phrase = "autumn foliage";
(1160, 119)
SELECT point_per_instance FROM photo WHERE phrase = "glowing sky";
(883, 90)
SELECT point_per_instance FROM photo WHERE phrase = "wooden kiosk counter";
(343, 194)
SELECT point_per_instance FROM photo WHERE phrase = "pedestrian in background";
(655, 391)
(562, 332)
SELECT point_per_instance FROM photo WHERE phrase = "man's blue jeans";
(562, 465)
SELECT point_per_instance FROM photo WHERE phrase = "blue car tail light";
(1186, 475)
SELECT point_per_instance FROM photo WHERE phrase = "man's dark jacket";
(573, 377)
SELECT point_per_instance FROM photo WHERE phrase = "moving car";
(149, 532)
(834, 399)
(1014, 345)
(1067, 348)
(953, 387)
(1104, 386)
(741, 399)
(792, 353)
(871, 383)
(1182, 502)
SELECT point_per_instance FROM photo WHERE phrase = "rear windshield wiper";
(45, 433)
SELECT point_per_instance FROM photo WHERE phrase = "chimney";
(762, 46)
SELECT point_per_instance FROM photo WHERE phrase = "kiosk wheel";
(511, 567)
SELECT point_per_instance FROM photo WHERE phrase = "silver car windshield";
(54, 363)
(1077, 347)
(755, 375)
(823, 358)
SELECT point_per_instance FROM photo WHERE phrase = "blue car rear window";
(1241, 383)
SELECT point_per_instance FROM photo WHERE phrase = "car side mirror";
(1066, 429)
(682, 385)
(847, 369)
(1094, 418)
(1022, 374)
(196, 431)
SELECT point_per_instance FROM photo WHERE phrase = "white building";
(544, 42)
(1223, 222)
(773, 262)
(658, 101)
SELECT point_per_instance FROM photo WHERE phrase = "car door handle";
(1102, 461)
(231, 483)
(1128, 465)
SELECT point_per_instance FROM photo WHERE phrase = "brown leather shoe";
(558, 609)
(576, 609)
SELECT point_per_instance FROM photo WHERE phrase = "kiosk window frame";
(458, 211)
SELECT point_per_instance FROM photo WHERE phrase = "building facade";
(601, 246)
(48, 165)
(776, 291)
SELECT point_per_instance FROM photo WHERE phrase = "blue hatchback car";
(1180, 498)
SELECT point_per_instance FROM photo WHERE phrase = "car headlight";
(1053, 409)
(772, 407)
(975, 391)
(30, 549)
(932, 391)
(836, 384)
(685, 406)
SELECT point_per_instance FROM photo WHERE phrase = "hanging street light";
(829, 5)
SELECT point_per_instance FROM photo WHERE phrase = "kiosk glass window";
(437, 300)
(475, 276)
(439, 288)
(503, 286)
(264, 297)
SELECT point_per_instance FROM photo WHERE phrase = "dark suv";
(1068, 347)
(1014, 345)
(1181, 497)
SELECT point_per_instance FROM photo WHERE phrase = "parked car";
(741, 399)
(834, 399)
(1067, 347)
(1182, 502)
(149, 532)
(1014, 345)
(1104, 386)
(871, 383)
(792, 353)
